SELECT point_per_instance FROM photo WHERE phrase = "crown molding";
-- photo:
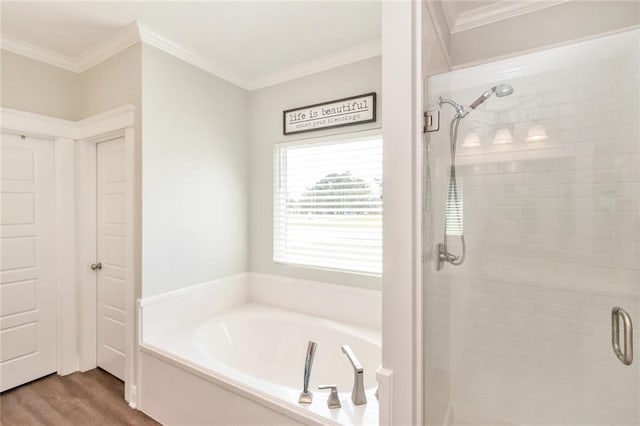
(135, 32)
(124, 38)
(432, 13)
(447, 22)
(38, 53)
(498, 11)
(116, 43)
(154, 39)
(333, 60)
(303, 69)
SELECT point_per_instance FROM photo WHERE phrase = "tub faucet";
(306, 396)
(357, 395)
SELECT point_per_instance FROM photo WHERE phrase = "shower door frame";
(437, 40)
(400, 376)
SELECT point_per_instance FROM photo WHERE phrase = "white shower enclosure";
(521, 331)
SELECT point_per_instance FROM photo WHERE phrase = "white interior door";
(27, 261)
(111, 229)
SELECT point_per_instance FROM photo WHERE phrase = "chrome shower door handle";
(624, 355)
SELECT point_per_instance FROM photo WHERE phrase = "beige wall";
(193, 151)
(34, 86)
(112, 83)
(31, 85)
(265, 126)
(195, 186)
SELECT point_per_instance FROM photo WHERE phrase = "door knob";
(97, 266)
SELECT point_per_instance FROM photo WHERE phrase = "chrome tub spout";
(357, 395)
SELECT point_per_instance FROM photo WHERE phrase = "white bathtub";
(266, 347)
(256, 352)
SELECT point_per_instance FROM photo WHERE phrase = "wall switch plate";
(431, 121)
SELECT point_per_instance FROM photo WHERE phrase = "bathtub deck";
(188, 349)
(94, 397)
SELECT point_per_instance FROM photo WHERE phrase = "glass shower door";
(548, 200)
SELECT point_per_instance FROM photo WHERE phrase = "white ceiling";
(249, 39)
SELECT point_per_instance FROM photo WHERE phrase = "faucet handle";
(334, 400)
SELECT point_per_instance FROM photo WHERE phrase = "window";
(328, 204)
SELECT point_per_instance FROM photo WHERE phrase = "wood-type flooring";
(91, 398)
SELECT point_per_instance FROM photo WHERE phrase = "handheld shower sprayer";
(500, 90)
(444, 255)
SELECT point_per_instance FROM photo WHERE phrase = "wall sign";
(338, 113)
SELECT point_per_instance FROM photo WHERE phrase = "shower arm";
(460, 110)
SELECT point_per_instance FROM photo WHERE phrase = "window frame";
(279, 179)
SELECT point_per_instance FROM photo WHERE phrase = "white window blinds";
(328, 204)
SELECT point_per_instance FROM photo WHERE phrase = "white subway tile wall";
(553, 240)
(436, 296)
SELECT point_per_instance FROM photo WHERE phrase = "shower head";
(503, 90)
(500, 90)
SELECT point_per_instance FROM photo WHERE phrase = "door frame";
(75, 170)
(400, 377)
(61, 134)
(121, 126)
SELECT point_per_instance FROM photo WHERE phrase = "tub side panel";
(173, 396)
